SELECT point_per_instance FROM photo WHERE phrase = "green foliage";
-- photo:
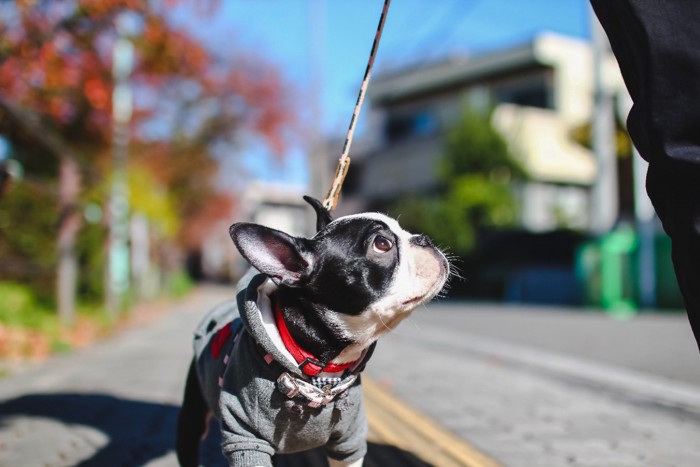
(89, 248)
(28, 229)
(27, 223)
(59, 346)
(20, 308)
(484, 201)
(28, 219)
(151, 199)
(473, 146)
(436, 218)
(476, 173)
(179, 283)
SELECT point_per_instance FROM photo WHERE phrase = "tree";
(475, 176)
(56, 79)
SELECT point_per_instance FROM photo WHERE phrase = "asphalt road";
(523, 386)
(660, 343)
(551, 387)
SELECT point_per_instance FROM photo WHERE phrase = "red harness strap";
(307, 362)
(219, 339)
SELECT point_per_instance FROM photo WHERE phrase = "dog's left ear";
(323, 217)
(276, 254)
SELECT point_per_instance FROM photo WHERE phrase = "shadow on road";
(137, 431)
(140, 431)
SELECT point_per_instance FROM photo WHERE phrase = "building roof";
(411, 82)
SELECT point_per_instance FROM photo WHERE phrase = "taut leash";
(344, 162)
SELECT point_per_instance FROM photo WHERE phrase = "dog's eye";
(381, 244)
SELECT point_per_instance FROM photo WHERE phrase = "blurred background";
(133, 133)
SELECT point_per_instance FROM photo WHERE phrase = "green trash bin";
(618, 270)
(607, 269)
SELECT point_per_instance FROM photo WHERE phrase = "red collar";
(307, 362)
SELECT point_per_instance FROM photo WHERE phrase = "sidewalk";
(112, 404)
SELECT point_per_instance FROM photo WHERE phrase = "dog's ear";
(323, 217)
(280, 256)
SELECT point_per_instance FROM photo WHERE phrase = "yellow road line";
(397, 424)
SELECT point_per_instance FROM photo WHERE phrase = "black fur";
(192, 421)
(323, 217)
(349, 275)
(336, 271)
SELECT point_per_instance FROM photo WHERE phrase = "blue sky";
(322, 46)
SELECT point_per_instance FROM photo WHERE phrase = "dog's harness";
(233, 329)
(309, 364)
(320, 391)
(323, 390)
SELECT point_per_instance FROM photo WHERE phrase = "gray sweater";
(257, 420)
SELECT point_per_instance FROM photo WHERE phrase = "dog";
(279, 366)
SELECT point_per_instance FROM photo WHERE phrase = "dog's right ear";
(276, 254)
(323, 217)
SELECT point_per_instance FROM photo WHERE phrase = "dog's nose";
(421, 240)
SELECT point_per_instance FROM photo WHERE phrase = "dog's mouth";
(439, 280)
(412, 300)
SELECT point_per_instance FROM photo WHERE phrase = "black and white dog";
(279, 366)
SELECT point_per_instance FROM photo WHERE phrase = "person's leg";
(657, 46)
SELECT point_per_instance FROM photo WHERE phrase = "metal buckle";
(312, 361)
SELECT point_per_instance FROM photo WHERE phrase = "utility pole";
(645, 217)
(605, 203)
(118, 255)
(69, 225)
(318, 166)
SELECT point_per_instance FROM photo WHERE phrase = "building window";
(530, 96)
(411, 125)
(533, 89)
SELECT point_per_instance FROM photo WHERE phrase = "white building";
(279, 206)
(539, 93)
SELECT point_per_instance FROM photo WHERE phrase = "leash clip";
(287, 386)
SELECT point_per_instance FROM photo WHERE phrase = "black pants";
(657, 45)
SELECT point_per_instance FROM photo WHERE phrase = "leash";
(344, 162)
